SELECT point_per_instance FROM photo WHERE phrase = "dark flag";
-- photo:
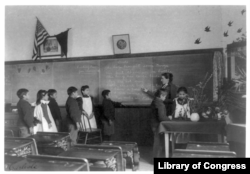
(63, 41)
(40, 36)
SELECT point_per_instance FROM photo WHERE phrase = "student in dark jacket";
(108, 118)
(54, 108)
(159, 114)
(25, 112)
(73, 114)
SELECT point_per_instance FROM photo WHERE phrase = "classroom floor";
(145, 159)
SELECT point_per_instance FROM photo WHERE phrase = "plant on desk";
(199, 98)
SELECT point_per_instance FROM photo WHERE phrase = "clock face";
(121, 44)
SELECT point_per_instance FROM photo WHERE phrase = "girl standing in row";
(43, 114)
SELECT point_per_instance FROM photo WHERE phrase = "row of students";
(80, 112)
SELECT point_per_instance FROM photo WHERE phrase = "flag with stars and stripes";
(40, 36)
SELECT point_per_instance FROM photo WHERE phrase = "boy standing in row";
(25, 112)
(54, 108)
(73, 114)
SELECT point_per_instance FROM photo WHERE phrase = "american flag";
(40, 36)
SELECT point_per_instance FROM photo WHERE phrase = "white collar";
(44, 102)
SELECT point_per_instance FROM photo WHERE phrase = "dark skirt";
(107, 128)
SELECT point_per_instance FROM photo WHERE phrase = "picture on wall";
(121, 44)
(50, 48)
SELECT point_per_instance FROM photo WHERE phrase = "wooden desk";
(236, 136)
(169, 127)
(50, 143)
(130, 152)
(14, 146)
(108, 156)
(45, 163)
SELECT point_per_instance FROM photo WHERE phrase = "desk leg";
(166, 145)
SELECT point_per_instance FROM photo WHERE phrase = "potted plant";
(199, 99)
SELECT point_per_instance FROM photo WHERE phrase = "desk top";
(25, 164)
(90, 154)
(125, 147)
(16, 144)
(46, 139)
(192, 127)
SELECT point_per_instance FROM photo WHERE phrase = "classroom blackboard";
(124, 76)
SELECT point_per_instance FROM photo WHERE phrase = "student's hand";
(144, 89)
(84, 113)
(91, 115)
(170, 117)
(31, 130)
(50, 125)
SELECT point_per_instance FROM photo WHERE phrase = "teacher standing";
(166, 80)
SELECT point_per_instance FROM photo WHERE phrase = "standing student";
(43, 114)
(88, 119)
(54, 108)
(159, 114)
(25, 112)
(73, 114)
(108, 107)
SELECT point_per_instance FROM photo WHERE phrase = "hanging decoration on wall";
(40, 36)
(207, 29)
(243, 11)
(34, 68)
(121, 44)
(63, 41)
(29, 70)
(230, 23)
(19, 69)
(198, 41)
(50, 48)
(225, 34)
(47, 67)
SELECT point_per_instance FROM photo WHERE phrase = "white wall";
(151, 28)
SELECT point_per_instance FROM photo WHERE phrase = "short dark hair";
(183, 89)
(105, 93)
(40, 94)
(168, 76)
(84, 87)
(51, 92)
(159, 92)
(71, 90)
(21, 92)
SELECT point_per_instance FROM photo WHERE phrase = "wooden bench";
(186, 153)
(208, 146)
(130, 152)
(45, 163)
(101, 158)
(51, 143)
(21, 147)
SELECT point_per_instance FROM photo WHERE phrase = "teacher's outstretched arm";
(148, 92)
